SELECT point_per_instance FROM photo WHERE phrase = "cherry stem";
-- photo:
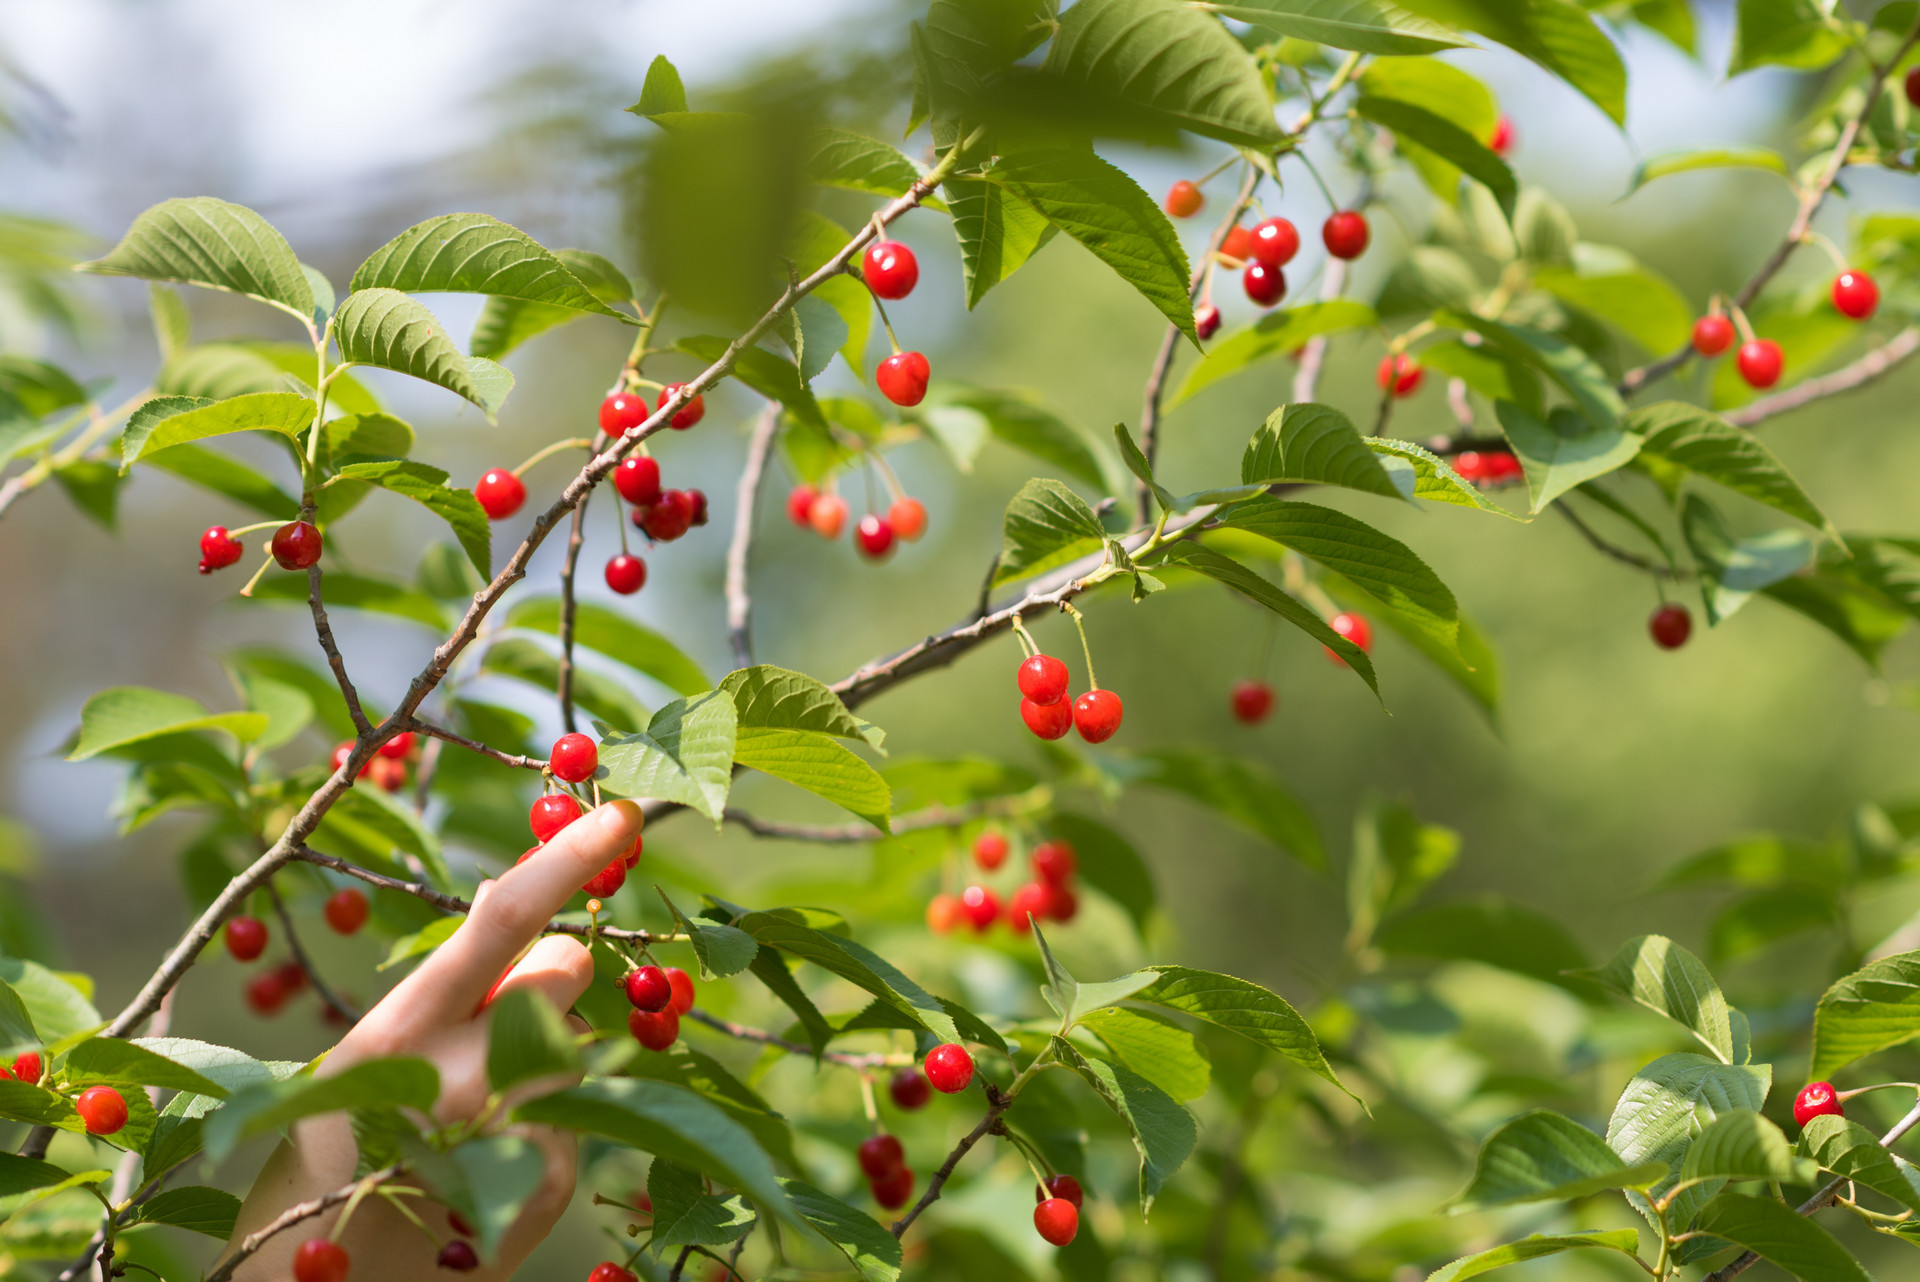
(258, 575)
(882, 309)
(1080, 623)
(1833, 251)
(255, 528)
(1740, 322)
(886, 472)
(573, 443)
(1216, 171)
(1318, 181)
(868, 1102)
(1844, 1096)
(1025, 639)
(620, 520)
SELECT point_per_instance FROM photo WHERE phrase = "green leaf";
(1576, 373)
(841, 158)
(1046, 525)
(770, 968)
(822, 765)
(403, 1083)
(1438, 87)
(193, 1207)
(202, 241)
(1163, 1132)
(388, 329)
(527, 1038)
(780, 698)
(488, 1180)
(1707, 445)
(1742, 1145)
(38, 1106)
(172, 420)
(94, 487)
(125, 715)
(1241, 791)
(222, 475)
(1785, 33)
(59, 1003)
(1072, 999)
(685, 754)
(1870, 1010)
(1105, 210)
(1275, 334)
(1240, 1006)
(1664, 977)
(1732, 570)
(16, 1026)
(998, 233)
(427, 486)
(1108, 863)
(1489, 930)
(1557, 34)
(1680, 162)
(1834, 597)
(1419, 473)
(1447, 140)
(870, 1248)
(1168, 59)
(112, 1059)
(357, 592)
(1365, 26)
(1019, 421)
(1544, 1157)
(616, 636)
(1626, 1241)
(1313, 444)
(1489, 371)
(722, 950)
(1633, 299)
(476, 254)
(233, 1070)
(662, 92)
(1564, 452)
(38, 387)
(1774, 1231)
(854, 963)
(364, 437)
(1667, 1104)
(1158, 1049)
(1850, 1149)
(684, 1212)
(27, 1175)
(605, 698)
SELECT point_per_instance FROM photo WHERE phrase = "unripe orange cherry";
(828, 515)
(1183, 200)
(908, 517)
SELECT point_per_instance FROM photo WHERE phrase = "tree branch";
(474, 745)
(1873, 365)
(295, 1214)
(332, 1000)
(851, 834)
(877, 1059)
(324, 631)
(739, 551)
(997, 1104)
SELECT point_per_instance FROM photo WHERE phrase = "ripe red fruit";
(683, 991)
(1061, 904)
(699, 500)
(296, 545)
(500, 493)
(1054, 862)
(1816, 1099)
(1275, 242)
(908, 517)
(1043, 679)
(1913, 86)
(27, 1068)
(827, 515)
(1183, 200)
(1048, 720)
(102, 1109)
(1760, 362)
(654, 1030)
(246, 938)
(944, 914)
(1355, 628)
(1855, 294)
(667, 519)
(949, 1068)
(1238, 243)
(1031, 899)
(1400, 372)
(881, 1155)
(1061, 1186)
(800, 504)
(980, 905)
(638, 480)
(1346, 234)
(873, 536)
(458, 1223)
(1252, 701)
(633, 853)
(890, 269)
(622, 412)
(319, 1260)
(626, 574)
(910, 1089)
(387, 773)
(1712, 335)
(1264, 285)
(1670, 626)
(458, 1256)
(902, 378)
(266, 993)
(990, 850)
(608, 1271)
(398, 746)
(648, 989)
(218, 549)
(574, 758)
(1096, 715)
(1057, 1220)
(606, 883)
(346, 910)
(893, 1189)
(341, 752)
(550, 814)
(1500, 142)
(1206, 321)
(687, 415)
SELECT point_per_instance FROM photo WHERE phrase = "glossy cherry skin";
(910, 1089)
(1252, 701)
(1183, 200)
(1238, 243)
(1670, 626)
(1057, 1220)
(622, 412)
(949, 1068)
(827, 515)
(683, 991)
(890, 269)
(458, 1256)
(800, 501)
(687, 415)
(1264, 285)
(1401, 373)
(550, 814)
(246, 938)
(1816, 1099)
(894, 1189)
(881, 1155)
(1760, 362)
(1855, 294)
(574, 757)
(1275, 242)
(873, 536)
(1062, 1186)
(980, 905)
(397, 747)
(1500, 142)
(908, 517)
(648, 989)
(1096, 715)
(319, 1260)
(346, 910)
(1043, 679)
(902, 378)
(1053, 862)
(1346, 234)
(296, 545)
(1712, 335)
(654, 1030)
(1354, 627)
(26, 1068)
(667, 519)
(103, 1109)
(500, 493)
(638, 480)
(606, 883)
(944, 914)
(1030, 900)
(1047, 720)
(1206, 321)
(608, 1271)
(218, 549)
(626, 574)
(990, 850)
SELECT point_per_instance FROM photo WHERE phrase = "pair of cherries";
(1047, 712)
(891, 271)
(295, 546)
(659, 997)
(1056, 1217)
(622, 412)
(889, 1178)
(387, 768)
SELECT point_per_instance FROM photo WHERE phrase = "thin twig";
(474, 745)
(680, 1262)
(877, 1059)
(327, 996)
(324, 631)
(1614, 550)
(851, 834)
(740, 550)
(1873, 365)
(295, 1214)
(997, 1104)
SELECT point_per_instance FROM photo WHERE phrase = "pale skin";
(435, 1013)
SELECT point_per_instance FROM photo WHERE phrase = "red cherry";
(800, 504)
(1503, 466)
(458, 1256)
(398, 746)
(319, 1260)
(881, 1155)
(1031, 899)
(296, 545)
(873, 536)
(608, 1271)
(944, 914)
(1061, 904)
(949, 1068)
(1057, 1220)
(622, 412)
(1760, 362)
(550, 814)
(1913, 86)
(1061, 1186)
(687, 415)
(1816, 1099)
(638, 480)
(1048, 720)
(342, 751)
(667, 519)
(1473, 466)
(699, 500)
(1500, 142)
(908, 517)
(246, 938)
(267, 993)
(980, 905)
(655, 1031)
(1043, 679)
(890, 269)
(458, 1223)
(1238, 243)
(1054, 862)
(1252, 701)
(346, 910)
(1670, 626)
(1206, 321)
(1264, 285)
(26, 1067)
(1855, 294)
(218, 549)
(574, 758)
(500, 493)
(606, 883)
(902, 378)
(648, 989)
(387, 773)
(683, 991)
(1183, 200)
(1346, 234)
(626, 574)
(910, 1089)
(1401, 372)
(893, 1189)
(827, 515)
(1353, 627)
(990, 850)
(1275, 242)
(103, 1109)
(1712, 335)
(633, 854)
(1096, 715)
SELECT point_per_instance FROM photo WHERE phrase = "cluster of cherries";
(949, 1069)
(574, 759)
(825, 513)
(1265, 248)
(659, 997)
(268, 992)
(387, 768)
(1048, 895)
(322, 1259)
(1759, 360)
(1045, 708)
(295, 546)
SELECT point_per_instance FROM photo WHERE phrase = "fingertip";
(618, 819)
